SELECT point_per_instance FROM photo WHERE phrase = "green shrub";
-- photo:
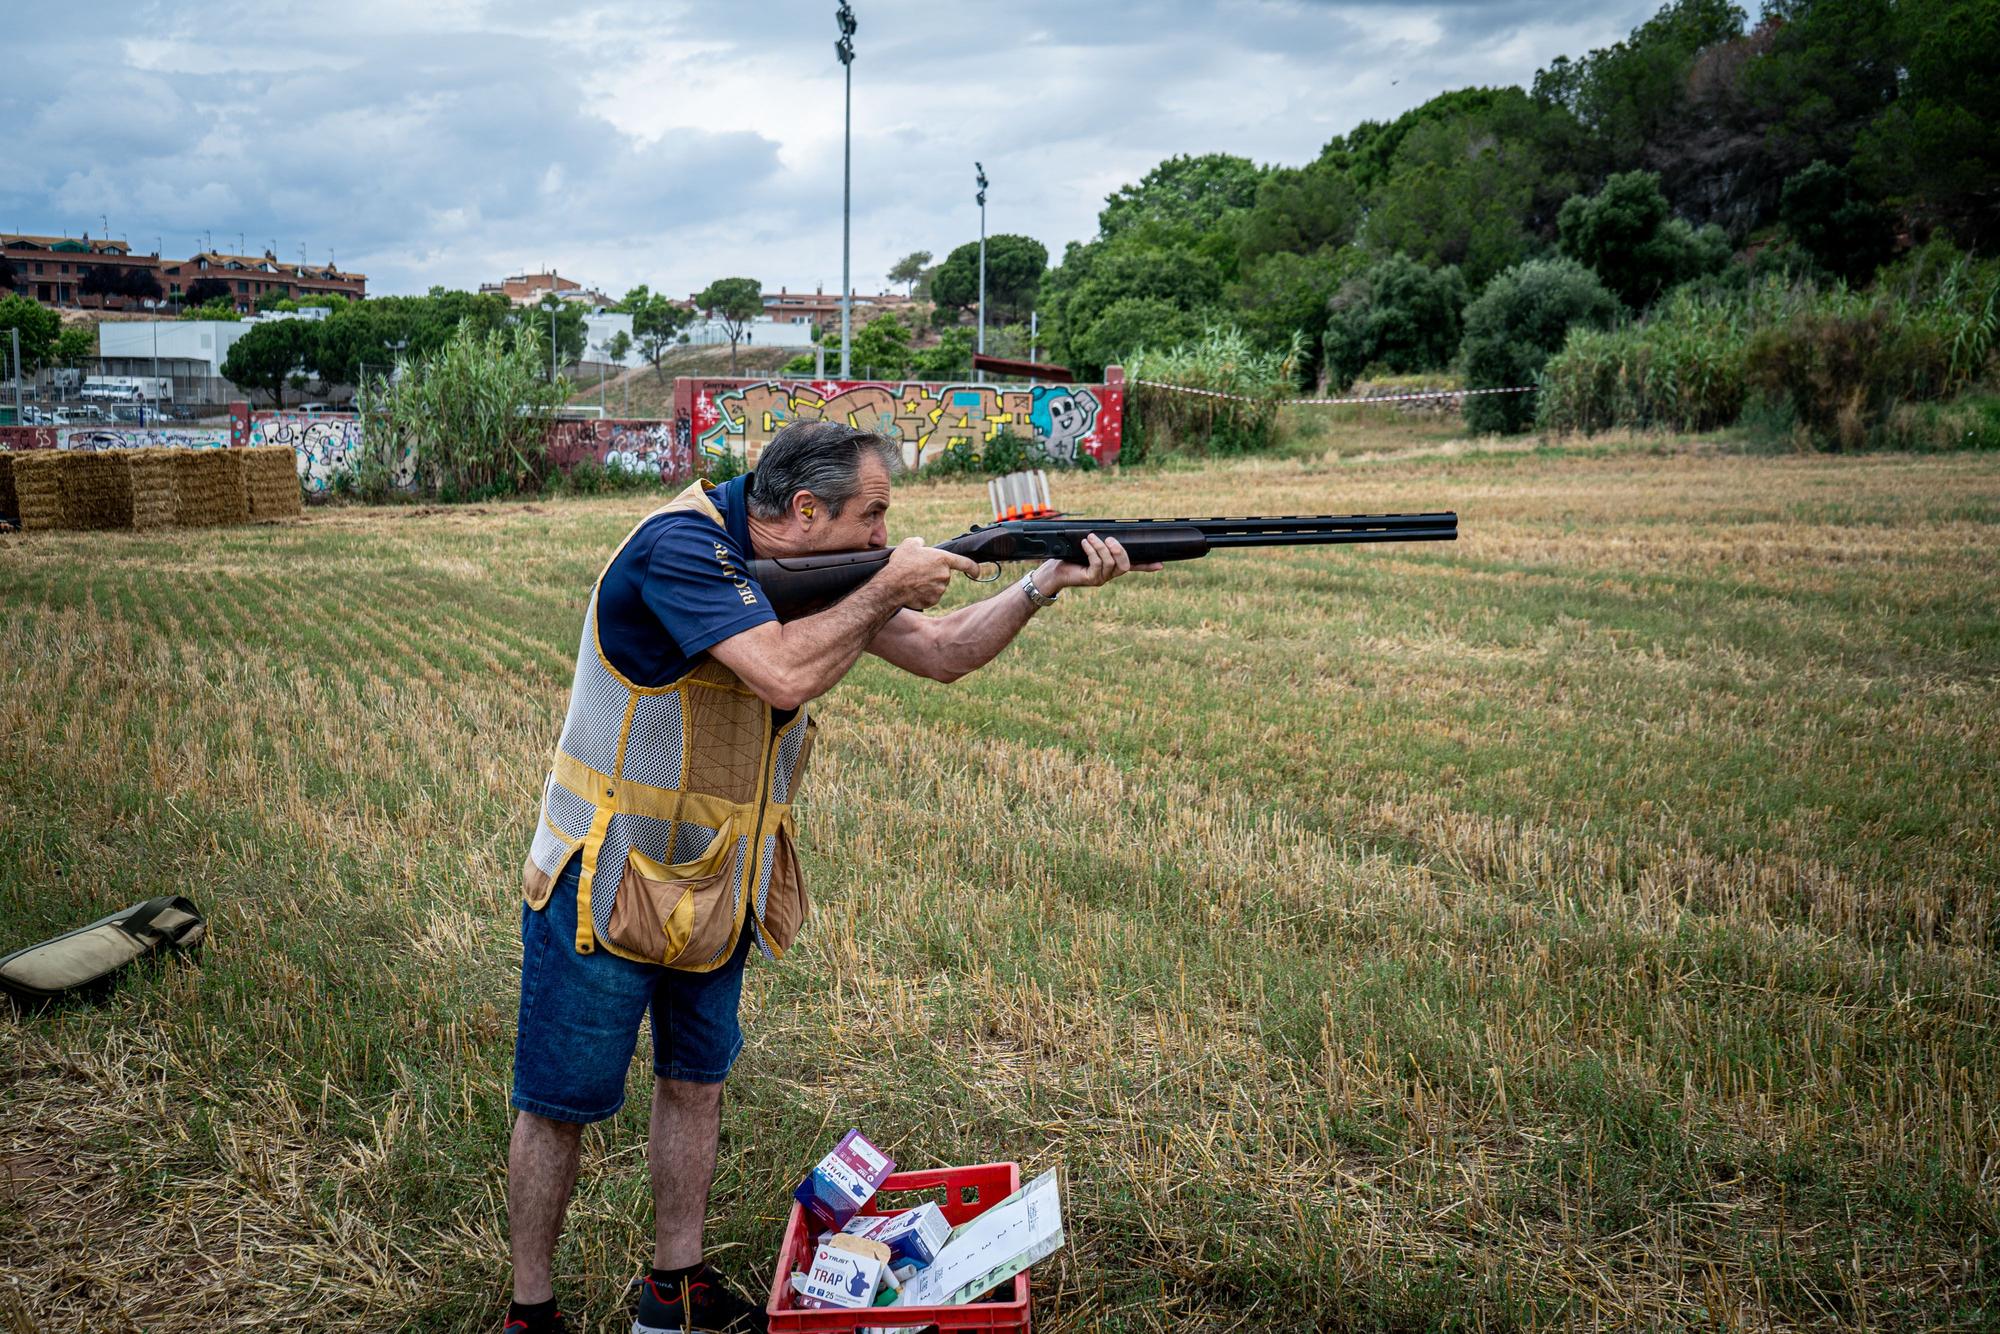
(1522, 317)
(1681, 369)
(1846, 361)
(588, 477)
(1396, 315)
(1236, 415)
(1006, 452)
(723, 468)
(1847, 233)
(1625, 233)
(1820, 367)
(1971, 422)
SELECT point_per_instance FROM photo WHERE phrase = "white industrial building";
(141, 342)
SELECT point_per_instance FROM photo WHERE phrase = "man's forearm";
(815, 651)
(967, 639)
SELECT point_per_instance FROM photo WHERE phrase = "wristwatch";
(1036, 595)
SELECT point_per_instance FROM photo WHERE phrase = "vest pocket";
(659, 908)
(784, 909)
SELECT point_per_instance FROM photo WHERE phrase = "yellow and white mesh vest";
(679, 800)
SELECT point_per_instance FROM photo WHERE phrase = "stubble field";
(1591, 923)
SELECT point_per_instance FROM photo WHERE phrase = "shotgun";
(800, 585)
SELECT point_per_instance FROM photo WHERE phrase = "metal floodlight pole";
(552, 344)
(15, 335)
(982, 263)
(844, 50)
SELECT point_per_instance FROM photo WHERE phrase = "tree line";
(1814, 145)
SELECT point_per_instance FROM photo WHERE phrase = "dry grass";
(1589, 924)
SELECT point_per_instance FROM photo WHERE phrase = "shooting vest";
(679, 800)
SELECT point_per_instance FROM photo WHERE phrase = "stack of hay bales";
(153, 493)
(271, 482)
(38, 491)
(148, 488)
(97, 490)
(208, 487)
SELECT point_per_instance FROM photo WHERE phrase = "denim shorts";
(579, 1017)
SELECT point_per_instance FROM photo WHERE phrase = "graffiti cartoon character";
(1062, 417)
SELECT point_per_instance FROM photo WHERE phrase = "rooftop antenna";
(241, 244)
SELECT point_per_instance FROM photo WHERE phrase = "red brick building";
(251, 277)
(52, 269)
(528, 289)
(823, 309)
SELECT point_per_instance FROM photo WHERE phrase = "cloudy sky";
(454, 141)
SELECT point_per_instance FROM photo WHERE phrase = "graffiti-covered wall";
(113, 437)
(635, 445)
(739, 416)
(143, 437)
(327, 445)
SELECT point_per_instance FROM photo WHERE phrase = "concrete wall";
(27, 437)
(739, 416)
(760, 332)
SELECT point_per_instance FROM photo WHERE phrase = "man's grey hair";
(821, 457)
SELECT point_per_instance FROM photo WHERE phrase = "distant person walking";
(663, 854)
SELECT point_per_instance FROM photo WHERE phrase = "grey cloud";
(446, 144)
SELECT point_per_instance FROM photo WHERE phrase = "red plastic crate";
(963, 1193)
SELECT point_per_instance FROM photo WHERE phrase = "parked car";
(79, 416)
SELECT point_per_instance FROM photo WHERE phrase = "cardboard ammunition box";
(838, 1280)
(843, 1181)
(913, 1236)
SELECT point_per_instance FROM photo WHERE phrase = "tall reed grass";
(1838, 366)
(1221, 361)
(476, 413)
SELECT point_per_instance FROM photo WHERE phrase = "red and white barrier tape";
(1330, 402)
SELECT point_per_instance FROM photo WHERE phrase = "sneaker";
(518, 1326)
(699, 1304)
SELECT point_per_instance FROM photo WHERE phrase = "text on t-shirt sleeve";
(698, 584)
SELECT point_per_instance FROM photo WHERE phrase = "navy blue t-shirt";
(680, 586)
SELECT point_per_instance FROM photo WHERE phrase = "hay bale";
(10, 508)
(97, 489)
(38, 491)
(208, 487)
(153, 503)
(271, 482)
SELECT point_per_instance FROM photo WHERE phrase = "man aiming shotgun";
(663, 853)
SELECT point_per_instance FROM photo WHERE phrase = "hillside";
(647, 393)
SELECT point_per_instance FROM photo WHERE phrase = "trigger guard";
(992, 565)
